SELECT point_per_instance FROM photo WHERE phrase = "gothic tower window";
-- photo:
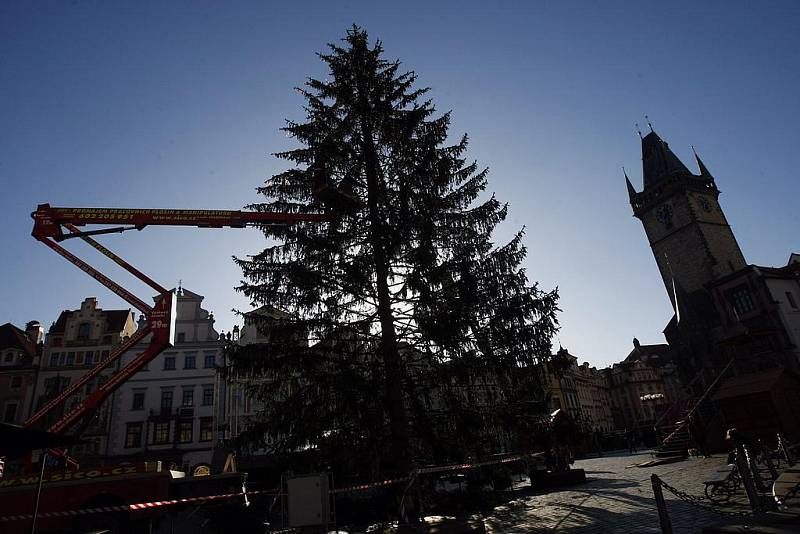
(741, 300)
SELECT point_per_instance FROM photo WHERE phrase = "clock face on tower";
(664, 213)
(705, 204)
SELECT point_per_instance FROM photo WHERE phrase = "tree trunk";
(393, 370)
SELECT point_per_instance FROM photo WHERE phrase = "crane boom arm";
(49, 227)
(49, 219)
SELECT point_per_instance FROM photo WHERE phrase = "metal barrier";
(661, 505)
(134, 507)
(411, 478)
(749, 476)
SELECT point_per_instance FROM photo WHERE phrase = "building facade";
(75, 343)
(594, 397)
(171, 410)
(630, 394)
(724, 308)
(642, 386)
(19, 360)
(759, 310)
(240, 407)
(559, 383)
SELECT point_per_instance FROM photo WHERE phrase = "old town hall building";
(725, 310)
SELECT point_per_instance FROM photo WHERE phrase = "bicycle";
(720, 491)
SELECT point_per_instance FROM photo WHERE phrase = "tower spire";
(658, 161)
(631, 190)
(703, 170)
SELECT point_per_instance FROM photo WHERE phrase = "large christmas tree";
(404, 335)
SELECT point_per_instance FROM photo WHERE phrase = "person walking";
(629, 436)
(598, 441)
(698, 435)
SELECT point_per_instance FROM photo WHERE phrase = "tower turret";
(631, 190)
(691, 240)
(703, 170)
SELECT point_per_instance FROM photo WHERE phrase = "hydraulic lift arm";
(49, 220)
(55, 224)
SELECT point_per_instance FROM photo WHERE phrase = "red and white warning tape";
(427, 470)
(360, 487)
(461, 467)
(133, 507)
(347, 489)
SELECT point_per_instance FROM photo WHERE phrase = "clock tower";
(691, 240)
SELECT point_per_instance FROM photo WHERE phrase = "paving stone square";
(616, 498)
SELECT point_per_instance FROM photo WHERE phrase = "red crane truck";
(119, 493)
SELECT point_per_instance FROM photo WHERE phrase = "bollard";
(661, 505)
(785, 450)
(773, 473)
(743, 465)
(754, 472)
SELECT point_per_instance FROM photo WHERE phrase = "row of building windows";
(80, 357)
(180, 337)
(189, 362)
(167, 396)
(9, 357)
(90, 357)
(84, 334)
(58, 341)
(161, 434)
(742, 300)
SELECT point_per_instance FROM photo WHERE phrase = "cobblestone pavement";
(616, 498)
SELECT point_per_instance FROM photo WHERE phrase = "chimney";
(142, 322)
(35, 332)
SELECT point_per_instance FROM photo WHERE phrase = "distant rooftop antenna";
(648, 122)
(638, 130)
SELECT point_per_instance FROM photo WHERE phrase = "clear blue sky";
(178, 104)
